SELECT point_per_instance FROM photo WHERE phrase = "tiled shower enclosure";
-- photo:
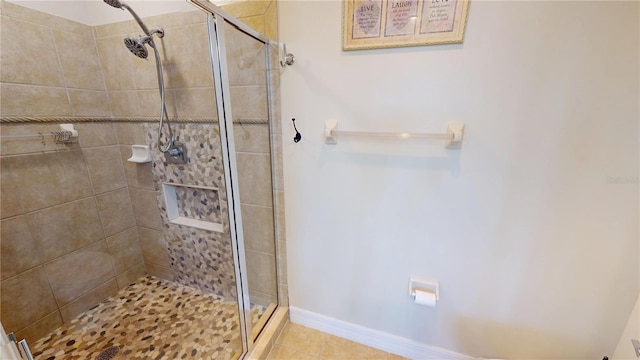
(79, 223)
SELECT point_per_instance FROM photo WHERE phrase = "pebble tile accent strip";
(150, 319)
(199, 258)
(199, 204)
(202, 259)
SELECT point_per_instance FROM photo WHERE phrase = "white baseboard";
(373, 338)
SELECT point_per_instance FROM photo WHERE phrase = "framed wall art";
(373, 24)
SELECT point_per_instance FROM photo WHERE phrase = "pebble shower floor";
(150, 319)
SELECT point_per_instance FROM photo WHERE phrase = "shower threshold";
(152, 318)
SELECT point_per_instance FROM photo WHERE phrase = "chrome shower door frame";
(221, 83)
(216, 18)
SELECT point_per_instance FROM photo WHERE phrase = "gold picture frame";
(375, 24)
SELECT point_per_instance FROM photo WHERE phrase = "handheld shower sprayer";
(137, 46)
(174, 151)
(120, 5)
(115, 3)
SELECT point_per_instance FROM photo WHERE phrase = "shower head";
(115, 3)
(137, 47)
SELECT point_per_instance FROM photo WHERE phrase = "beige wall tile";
(86, 301)
(124, 103)
(276, 116)
(118, 29)
(22, 56)
(278, 170)
(245, 58)
(20, 250)
(283, 290)
(249, 102)
(262, 299)
(154, 247)
(130, 133)
(167, 21)
(252, 138)
(40, 328)
(271, 21)
(145, 208)
(28, 100)
(117, 63)
(96, 134)
(258, 228)
(29, 174)
(261, 272)
(68, 175)
(79, 272)
(81, 69)
(276, 53)
(89, 103)
(145, 72)
(280, 218)
(254, 172)
(161, 271)
(25, 298)
(138, 175)
(188, 71)
(9, 200)
(37, 17)
(65, 228)
(149, 103)
(105, 168)
(196, 102)
(125, 249)
(130, 276)
(255, 22)
(283, 295)
(282, 262)
(116, 212)
(243, 9)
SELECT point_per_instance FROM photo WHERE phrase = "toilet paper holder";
(421, 284)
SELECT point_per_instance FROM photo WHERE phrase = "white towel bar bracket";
(453, 137)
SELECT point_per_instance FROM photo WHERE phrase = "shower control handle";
(177, 153)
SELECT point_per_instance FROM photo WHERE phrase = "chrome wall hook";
(289, 59)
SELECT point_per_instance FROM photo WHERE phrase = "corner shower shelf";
(193, 206)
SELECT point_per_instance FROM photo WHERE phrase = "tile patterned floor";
(150, 319)
(297, 342)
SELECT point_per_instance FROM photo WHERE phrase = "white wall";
(531, 228)
(625, 349)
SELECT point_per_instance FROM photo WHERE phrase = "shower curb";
(269, 335)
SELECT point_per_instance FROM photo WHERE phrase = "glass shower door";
(241, 76)
(247, 60)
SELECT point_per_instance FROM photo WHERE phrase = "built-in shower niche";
(193, 206)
